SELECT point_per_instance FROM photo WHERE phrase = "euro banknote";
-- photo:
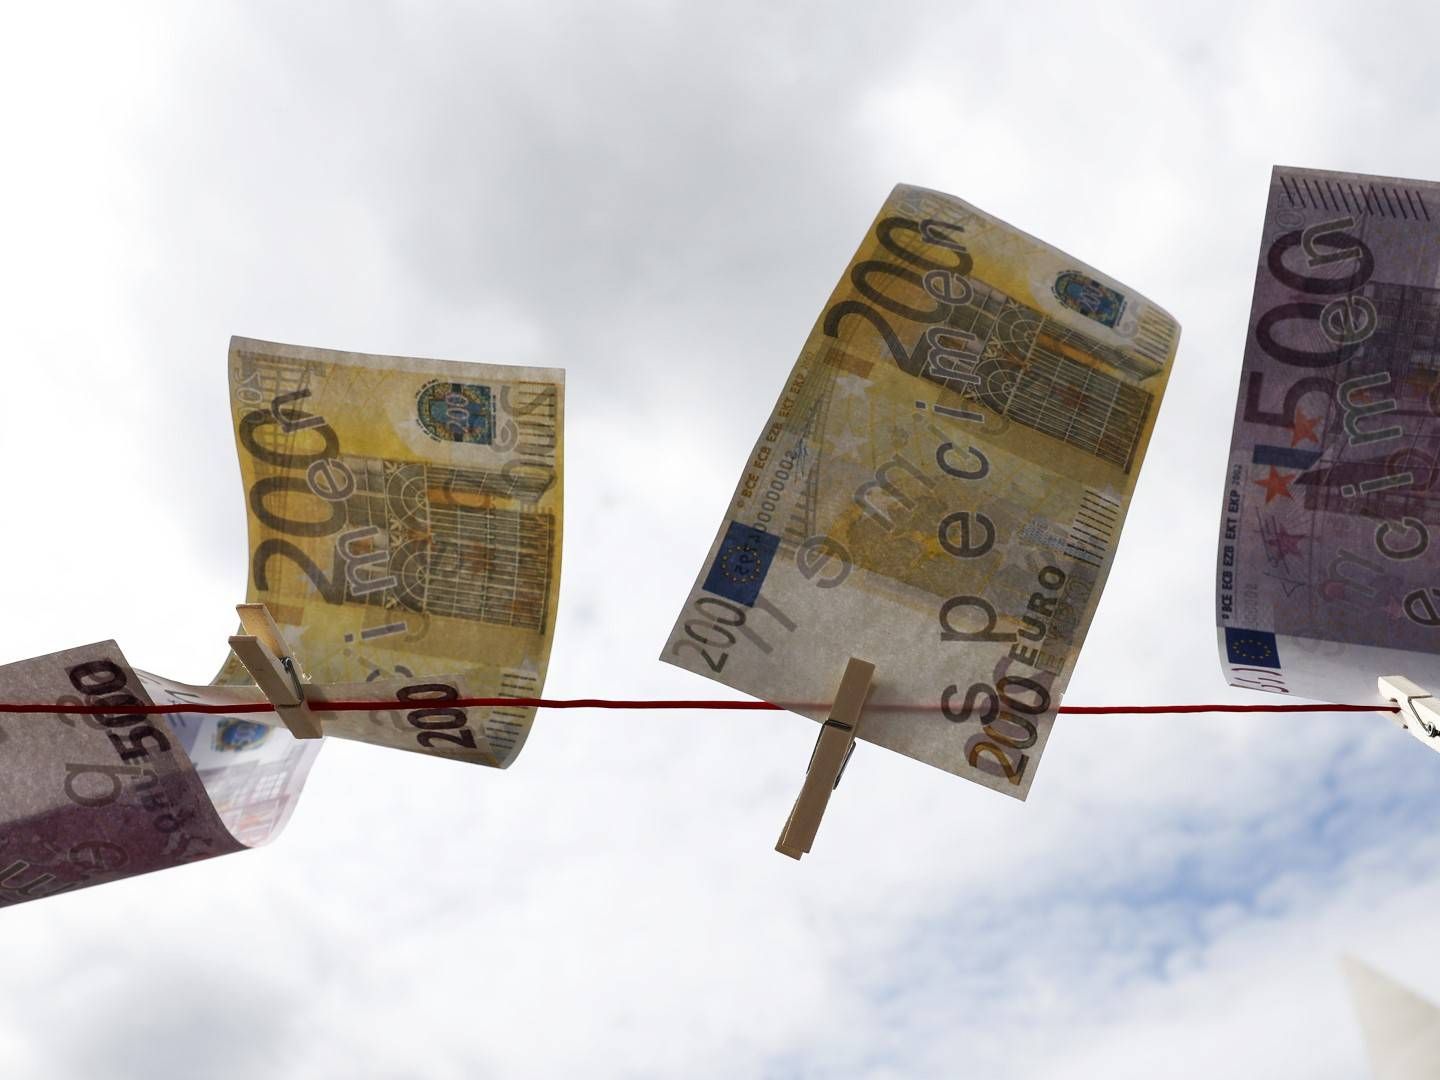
(405, 519)
(1327, 575)
(939, 490)
(94, 797)
(404, 530)
(89, 799)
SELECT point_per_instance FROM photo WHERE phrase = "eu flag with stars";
(741, 564)
(1251, 648)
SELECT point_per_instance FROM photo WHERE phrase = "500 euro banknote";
(92, 797)
(1327, 569)
(939, 490)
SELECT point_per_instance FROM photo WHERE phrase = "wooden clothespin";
(827, 762)
(267, 658)
(1419, 711)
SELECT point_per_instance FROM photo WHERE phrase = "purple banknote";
(88, 798)
(1327, 573)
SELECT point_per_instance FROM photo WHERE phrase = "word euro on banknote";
(1327, 573)
(939, 491)
(405, 519)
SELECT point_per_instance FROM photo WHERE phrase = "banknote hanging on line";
(1327, 570)
(939, 490)
(404, 532)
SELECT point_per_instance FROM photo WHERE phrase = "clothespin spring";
(1419, 712)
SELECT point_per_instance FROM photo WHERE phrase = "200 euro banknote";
(939, 490)
(405, 519)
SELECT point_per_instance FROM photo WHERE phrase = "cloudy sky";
(658, 198)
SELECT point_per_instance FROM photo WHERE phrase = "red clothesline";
(241, 708)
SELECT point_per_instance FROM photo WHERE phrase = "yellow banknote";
(939, 490)
(405, 520)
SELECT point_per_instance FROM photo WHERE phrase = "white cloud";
(658, 198)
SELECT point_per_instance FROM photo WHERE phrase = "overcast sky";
(659, 198)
